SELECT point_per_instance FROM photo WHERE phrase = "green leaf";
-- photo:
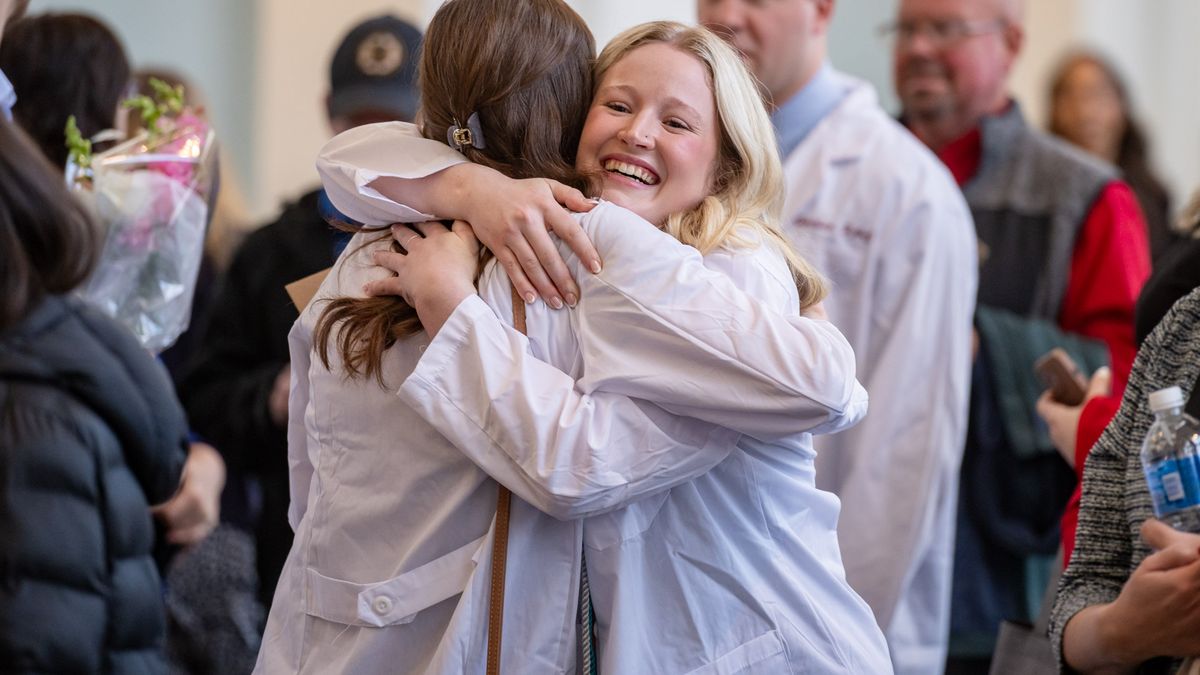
(166, 101)
(169, 98)
(79, 149)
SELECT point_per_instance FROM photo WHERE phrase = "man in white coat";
(881, 216)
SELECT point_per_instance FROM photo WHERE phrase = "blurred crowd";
(145, 492)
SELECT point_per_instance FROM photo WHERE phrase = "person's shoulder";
(886, 151)
(496, 289)
(612, 227)
(1178, 333)
(1058, 157)
(608, 214)
(356, 265)
(297, 243)
(73, 343)
(299, 220)
(101, 331)
(757, 265)
(885, 173)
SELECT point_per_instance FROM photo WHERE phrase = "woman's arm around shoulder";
(522, 419)
(717, 338)
(387, 173)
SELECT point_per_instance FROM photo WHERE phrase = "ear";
(824, 13)
(1014, 38)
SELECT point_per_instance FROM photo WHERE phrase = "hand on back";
(434, 270)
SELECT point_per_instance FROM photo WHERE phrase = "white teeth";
(631, 170)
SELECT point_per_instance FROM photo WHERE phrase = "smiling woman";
(666, 98)
(652, 116)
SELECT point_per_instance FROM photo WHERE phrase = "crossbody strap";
(500, 541)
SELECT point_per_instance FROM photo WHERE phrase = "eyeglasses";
(941, 33)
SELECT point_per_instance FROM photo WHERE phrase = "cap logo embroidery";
(380, 54)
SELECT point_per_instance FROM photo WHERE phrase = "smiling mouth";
(635, 172)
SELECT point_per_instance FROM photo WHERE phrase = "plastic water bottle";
(1171, 463)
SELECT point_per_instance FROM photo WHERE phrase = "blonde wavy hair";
(748, 189)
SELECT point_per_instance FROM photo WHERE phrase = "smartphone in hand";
(1058, 373)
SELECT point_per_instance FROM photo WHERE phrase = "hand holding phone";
(1058, 373)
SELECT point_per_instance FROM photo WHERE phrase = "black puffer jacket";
(90, 434)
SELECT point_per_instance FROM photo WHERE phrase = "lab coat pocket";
(763, 654)
(394, 601)
(616, 527)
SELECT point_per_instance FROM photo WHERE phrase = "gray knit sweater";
(1115, 498)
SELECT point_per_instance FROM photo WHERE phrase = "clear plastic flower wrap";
(153, 194)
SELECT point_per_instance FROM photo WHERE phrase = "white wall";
(606, 18)
(1154, 46)
(296, 41)
(856, 47)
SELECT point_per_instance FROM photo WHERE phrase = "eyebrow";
(670, 100)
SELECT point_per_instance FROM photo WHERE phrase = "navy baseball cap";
(375, 69)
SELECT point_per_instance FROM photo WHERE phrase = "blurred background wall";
(262, 66)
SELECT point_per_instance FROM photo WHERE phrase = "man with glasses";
(877, 213)
(1062, 246)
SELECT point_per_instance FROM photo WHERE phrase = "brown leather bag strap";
(500, 541)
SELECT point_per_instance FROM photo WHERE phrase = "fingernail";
(572, 299)
(595, 267)
(530, 298)
(556, 302)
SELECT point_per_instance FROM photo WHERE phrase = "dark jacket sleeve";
(226, 387)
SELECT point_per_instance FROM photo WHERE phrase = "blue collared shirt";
(798, 115)
(8, 97)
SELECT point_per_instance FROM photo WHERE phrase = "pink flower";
(185, 138)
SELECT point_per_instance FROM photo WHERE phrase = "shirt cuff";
(443, 350)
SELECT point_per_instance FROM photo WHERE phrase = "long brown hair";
(525, 68)
(48, 242)
(1132, 152)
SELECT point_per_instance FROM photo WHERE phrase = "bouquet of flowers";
(153, 193)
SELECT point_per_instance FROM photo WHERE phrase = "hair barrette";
(460, 137)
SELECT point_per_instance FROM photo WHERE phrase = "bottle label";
(1174, 484)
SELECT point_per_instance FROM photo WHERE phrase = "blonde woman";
(706, 556)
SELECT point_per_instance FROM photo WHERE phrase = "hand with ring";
(407, 240)
(434, 272)
(513, 218)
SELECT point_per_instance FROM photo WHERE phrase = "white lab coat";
(734, 570)
(726, 601)
(389, 569)
(882, 217)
